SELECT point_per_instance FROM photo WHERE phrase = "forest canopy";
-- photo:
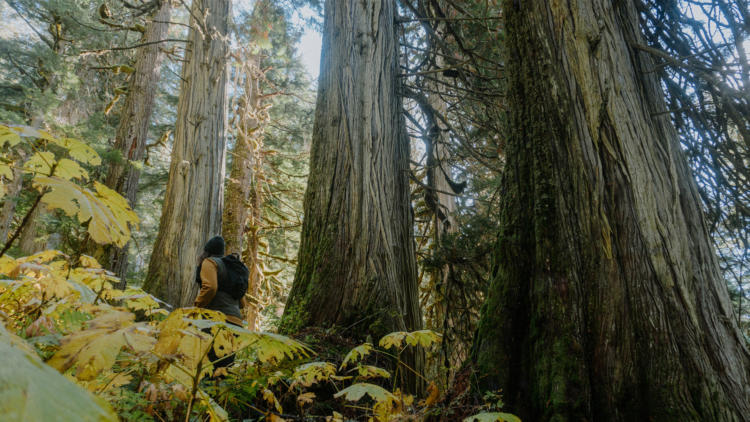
(492, 210)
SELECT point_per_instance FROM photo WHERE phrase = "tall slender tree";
(607, 303)
(194, 198)
(130, 138)
(356, 266)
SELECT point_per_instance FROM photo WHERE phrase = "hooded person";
(207, 274)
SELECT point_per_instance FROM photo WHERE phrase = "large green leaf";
(32, 391)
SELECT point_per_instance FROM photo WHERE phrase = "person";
(211, 297)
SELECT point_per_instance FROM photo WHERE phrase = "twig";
(130, 47)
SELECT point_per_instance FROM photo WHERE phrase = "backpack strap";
(221, 269)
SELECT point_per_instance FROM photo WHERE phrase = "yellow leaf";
(79, 151)
(223, 343)
(108, 217)
(425, 338)
(492, 417)
(356, 354)
(335, 417)
(433, 394)
(6, 171)
(312, 373)
(55, 287)
(42, 257)
(356, 391)
(216, 413)
(69, 169)
(392, 339)
(30, 132)
(32, 391)
(88, 262)
(96, 348)
(40, 163)
(305, 399)
(8, 136)
(368, 371)
(270, 398)
(8, 266)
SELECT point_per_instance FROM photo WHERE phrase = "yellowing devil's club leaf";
(369, 371)
(493, 417)
(79, 151)
(305, 398)
(107, 213)
(42, 257)
(8, 265)
(134, 298)
(95, 349)
(8, 136)
(69, 169)
(422, 338)
(89, 262)
(40, 163)
(32, 391)
(312, 373)
(356, 391)
(267, 347)
(6, 171)
(356, 354)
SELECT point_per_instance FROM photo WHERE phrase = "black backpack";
(233, 275)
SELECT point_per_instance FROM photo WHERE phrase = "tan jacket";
(209, 286)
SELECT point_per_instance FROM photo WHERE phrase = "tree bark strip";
(607, 303)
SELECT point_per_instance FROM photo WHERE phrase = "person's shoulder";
(209, 262)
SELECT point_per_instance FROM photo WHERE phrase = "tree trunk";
(250, 254)
(244, 154)
(10, 200)
(243, 197)
(132, 132)
(606, 302)
(193, 203)
(30, 242)
(356, 266)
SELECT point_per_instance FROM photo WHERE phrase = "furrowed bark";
(356, 266)
(607, 303)
(132, 132)
(193, 203)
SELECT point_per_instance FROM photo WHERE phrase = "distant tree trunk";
(29, 242)
(441, 198)
(250, 254)
(135, 117)
(243, 197)
(607, 303)
(10, 199)
(248, 135)
(356, 266)
(193, 203)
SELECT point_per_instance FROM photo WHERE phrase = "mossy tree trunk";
(242, 213)
(607, 303)
(356, 266)
(247, 134)
(194, 200)
(132, 131)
